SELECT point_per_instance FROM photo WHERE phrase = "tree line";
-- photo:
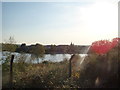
(43, 49)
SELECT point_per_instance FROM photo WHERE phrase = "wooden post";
(11, 71)
(70, 66)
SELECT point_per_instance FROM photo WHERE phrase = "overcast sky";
(60, 22)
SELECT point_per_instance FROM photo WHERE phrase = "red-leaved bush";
(104, 46)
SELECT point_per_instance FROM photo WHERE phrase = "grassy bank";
(96, 71)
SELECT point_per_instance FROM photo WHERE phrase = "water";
(47, 57)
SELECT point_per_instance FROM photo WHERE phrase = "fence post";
(11, 71)
(70, 65)
(70, 68)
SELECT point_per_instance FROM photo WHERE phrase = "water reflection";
(32, 58)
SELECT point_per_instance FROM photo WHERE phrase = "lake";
(30, 58)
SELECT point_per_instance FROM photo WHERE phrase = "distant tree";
(23, 45)
(11, 40)
(38, 51)
(9, 45)
(71, 49)
(52, 49)
(22, 48)
(62, 49)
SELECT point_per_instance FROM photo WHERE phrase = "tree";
(71, 49)
(38, 50)
(22, 48)
(9, 45)
(11, 40)
(104, 46)
(52, 49)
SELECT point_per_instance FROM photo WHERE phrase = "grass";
(43, 75)
(56, 74)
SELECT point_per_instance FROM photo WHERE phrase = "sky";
(60, 22)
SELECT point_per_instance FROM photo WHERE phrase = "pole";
(70, 66)
(11, 71)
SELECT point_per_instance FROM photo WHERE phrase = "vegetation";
(47, 49)
(9, 45)
(98, 70)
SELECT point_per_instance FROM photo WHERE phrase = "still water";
(30, 58)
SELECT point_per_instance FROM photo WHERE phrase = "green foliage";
(9, 47)
(51, 50)
(73, 49)
(38, 50)
(6, 62)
